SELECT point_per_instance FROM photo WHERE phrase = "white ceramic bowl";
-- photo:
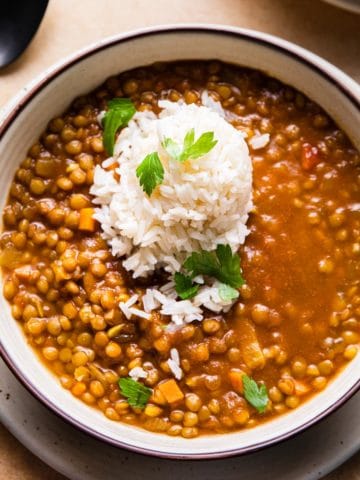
(50, 94)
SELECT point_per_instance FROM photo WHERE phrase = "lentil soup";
(296, 321)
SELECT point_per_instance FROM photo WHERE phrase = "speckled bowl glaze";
(27, 115)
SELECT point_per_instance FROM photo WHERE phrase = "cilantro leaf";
(255, 394)
(191, 149)
(221, 264)
(227, 293)
(184, 286)
(120, 111)
(150, 172)
(136, 393)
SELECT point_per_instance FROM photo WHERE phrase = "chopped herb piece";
(150, 172)
(191, 149)
(120, 111)
(227, 293)
(136, 393)
(221, 264)
(255, 394)
(184, 286)
(172, 148)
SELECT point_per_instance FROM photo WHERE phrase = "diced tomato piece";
(309, 156)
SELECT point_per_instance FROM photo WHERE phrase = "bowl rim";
(349, 87)
(342, 81)
(347, 5)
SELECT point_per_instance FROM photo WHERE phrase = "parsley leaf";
(184, 286)
(256, 395)
(221, 264)
(191, 149)
(136, 393)
(203, 145)
(172, 148)
(227, 293)
(189, 139)
(120, 111)
(150, 172)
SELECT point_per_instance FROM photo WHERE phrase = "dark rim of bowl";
(250, 35)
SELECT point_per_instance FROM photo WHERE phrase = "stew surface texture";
(296, 322)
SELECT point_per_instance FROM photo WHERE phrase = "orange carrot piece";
(236, 380)
(87, 222)
(171, 391)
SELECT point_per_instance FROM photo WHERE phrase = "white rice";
(200, 204)
(174, 364)
(186, 311)
(137, 372)
(259, 141)
(128, 309)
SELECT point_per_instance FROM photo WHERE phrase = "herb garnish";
(136, 393)
(150, 172)
(255, 394)
(120, 111)
(190, 149)
(184, 286)
(227, 293)
(221, 264)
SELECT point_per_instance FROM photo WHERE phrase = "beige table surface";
(70, 25)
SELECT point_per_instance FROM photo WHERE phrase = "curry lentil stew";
(296, 322)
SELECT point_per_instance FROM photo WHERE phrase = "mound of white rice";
(201, 203)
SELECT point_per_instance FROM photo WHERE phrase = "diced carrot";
(87, 221)
(236, 379)
(171, 391)
(158, 397)
(309, 156)
(301, 388)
